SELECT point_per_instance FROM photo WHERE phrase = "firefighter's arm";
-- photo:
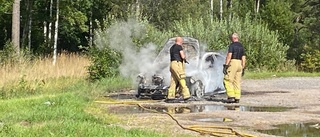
(243, 62)
(183, 56)
(228, 58)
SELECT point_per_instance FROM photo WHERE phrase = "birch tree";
(257, 6)
(56, 34)
(221, 10)
(50, 24)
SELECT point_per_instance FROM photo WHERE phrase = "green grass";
(65, 107)
(64, 110)
(264, 75)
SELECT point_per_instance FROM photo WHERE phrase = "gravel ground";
(300, 93)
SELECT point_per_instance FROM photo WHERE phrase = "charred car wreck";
(204, 72)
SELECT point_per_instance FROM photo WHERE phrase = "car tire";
(197, 89)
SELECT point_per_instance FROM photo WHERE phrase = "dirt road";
(264, 103)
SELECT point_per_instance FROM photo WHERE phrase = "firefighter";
(233, 69)
(177, 69)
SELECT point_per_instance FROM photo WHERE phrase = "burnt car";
(204, 76)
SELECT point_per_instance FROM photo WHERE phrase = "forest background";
(277, 34)
(50, 48)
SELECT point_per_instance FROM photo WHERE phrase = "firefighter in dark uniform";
(177, 69)
(233, 69)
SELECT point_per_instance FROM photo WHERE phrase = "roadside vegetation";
(98, 41)
(39, 100)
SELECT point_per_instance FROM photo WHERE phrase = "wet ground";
(267, 108)
(296, 129)
(197, 108)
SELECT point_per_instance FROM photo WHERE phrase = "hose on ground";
(218, 131)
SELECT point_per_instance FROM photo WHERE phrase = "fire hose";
(196, 128)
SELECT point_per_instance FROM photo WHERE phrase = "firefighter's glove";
(185, 61)
(225, 69)
(242, 72)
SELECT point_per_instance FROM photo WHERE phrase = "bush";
(263, 49)
(7, 55)
(310, 60)
(105, 63)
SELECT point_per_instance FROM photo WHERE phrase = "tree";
(56, 34)
(16, 26)
(279, 17)
(5, 21)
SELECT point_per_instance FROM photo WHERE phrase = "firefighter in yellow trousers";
(233, 69)
(177, 69)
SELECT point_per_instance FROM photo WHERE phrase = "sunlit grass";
(67, 65)
(42, 99)
(64, 114)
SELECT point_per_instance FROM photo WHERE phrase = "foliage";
(263, 48)
(310, 59)
(8, 55)
(278, 16)
(296, 21)
(162, 14)
(105, 63)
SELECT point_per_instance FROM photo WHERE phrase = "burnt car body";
(204, 76)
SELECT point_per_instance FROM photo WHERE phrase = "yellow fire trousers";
(178, 76)
(232, 79)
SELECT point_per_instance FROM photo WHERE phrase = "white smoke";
(120, 37)
(136, 61)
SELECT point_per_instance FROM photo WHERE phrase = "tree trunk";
(30, 25)
(50, 24)
(45, 25)
(25, 26)
(91, 28)
(211, 10)
(230, 9)
(221, 5)
(16, 26)
(56, 35)
(257, 6)
(137, 9)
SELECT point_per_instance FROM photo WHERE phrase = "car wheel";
(197, 89)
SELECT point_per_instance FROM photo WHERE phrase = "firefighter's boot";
(171, 94)
(185, 89)
(230, 100)
(237, 101)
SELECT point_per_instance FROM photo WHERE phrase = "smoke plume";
(120, 38)
(205, 66)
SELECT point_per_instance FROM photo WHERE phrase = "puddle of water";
(295, 130)
(264, 109)
(213, 120)
(193, 109)
(121, 96)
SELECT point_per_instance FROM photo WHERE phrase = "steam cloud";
(120, 38)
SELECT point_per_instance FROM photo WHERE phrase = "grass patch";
(41, 99)
(263, 75)
(67, 111)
